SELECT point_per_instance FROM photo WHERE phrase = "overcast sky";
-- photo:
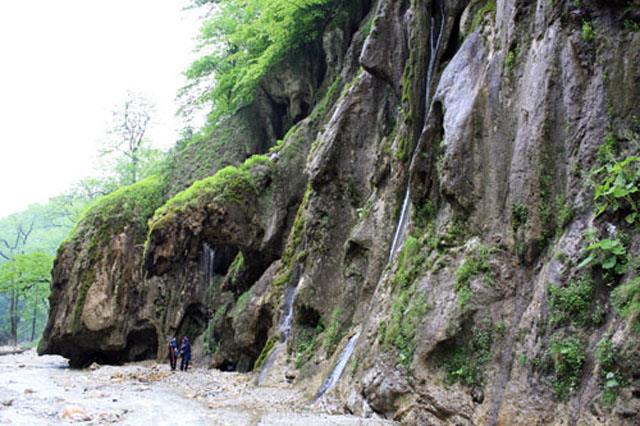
(64, 65)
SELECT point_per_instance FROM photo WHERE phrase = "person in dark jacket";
(185, 352)
(173, 353)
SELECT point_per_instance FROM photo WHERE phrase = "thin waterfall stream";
(435, 35)
(207, 263)
(285, 332)
(337, 371)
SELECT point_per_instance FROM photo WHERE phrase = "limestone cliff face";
(433, 195)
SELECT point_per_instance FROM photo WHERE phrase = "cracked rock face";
(487, 119)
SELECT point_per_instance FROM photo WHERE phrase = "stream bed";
(44, 391)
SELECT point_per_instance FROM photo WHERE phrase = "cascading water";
(333, 378)
(207, 263)
(287, 315)
(285, 332)
(435, 34)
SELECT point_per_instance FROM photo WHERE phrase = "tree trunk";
(33, 322)
(13, 318)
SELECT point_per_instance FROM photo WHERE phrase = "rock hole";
(142, 344)
(308, 317)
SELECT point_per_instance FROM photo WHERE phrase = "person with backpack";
(173, 353)
(185, 352)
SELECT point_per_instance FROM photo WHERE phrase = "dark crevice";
(454, 42)
(308, 317)
(194, 321)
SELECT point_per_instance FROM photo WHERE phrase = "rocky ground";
(43, 390)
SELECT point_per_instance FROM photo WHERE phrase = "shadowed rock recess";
(511, 129)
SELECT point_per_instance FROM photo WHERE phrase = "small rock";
(94, 366)
(290, 375)
(7, 402)
(21, 365)
(76, 414)
(29, 391)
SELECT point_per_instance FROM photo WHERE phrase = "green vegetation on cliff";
(230, 184)
(246, 39)
(129, 205)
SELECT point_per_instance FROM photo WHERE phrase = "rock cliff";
(448, 186)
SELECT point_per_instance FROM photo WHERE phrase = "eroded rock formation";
(489, 118)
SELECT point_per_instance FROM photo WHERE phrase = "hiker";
(185, 352)
(173, 353)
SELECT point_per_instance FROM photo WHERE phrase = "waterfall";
(435, 35)
(207, 263)
(284, 327)
(333, 378)
(287, 315)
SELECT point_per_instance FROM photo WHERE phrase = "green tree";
(26, 277)
(244, 40)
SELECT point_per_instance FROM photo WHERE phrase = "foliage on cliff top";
(130, 204)
(245, 39)
(230, 184)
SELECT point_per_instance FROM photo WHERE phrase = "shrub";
(610, 255)
(465, 363)
(568, 358)
(588, 33)
(572, 303)
(617, 191)
(519, 215)
(611, 379)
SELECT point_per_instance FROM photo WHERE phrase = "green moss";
(332, 334)
(264, 354)
(293, 243)
(242, 302)
(328, 99)
(568, 356)
(129, 205)
(488, 8)
(230, 184)
(588, 33)
(368, 25)
(626, 300)
(475, 264)
(407, 311)
(510, 59)
(236, 268)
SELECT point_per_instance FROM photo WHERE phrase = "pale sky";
(64, 66)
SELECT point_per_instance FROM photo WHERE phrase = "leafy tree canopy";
(244, 39)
